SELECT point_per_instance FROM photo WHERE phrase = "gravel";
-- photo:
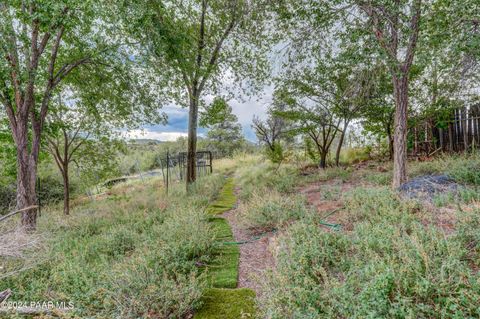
(428, 186)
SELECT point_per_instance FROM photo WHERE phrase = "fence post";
(168, 168)
(211, 161)
(39, 200)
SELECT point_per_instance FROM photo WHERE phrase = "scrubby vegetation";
(133, 254)
(393, 262)
(138, 253)
(326, 161)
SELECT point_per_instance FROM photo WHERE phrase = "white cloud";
(152, 135)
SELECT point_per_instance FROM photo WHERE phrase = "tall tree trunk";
(66, 190)
(400, 134)
(340, 143)
(26, 180)
(390, 146)
(323, 160)
(388, 129)
(192, 142)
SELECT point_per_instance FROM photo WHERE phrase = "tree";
(41, 43)
(74, 130)
(310, 109)
(225, 133)
(353, 90)
(90, 109)
(197, 45)
(273, 130)
(395, 26)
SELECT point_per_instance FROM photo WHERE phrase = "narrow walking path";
(223, 299)
(255, 255)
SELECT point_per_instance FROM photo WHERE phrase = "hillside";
(306, 242)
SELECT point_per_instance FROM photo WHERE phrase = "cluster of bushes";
(270, 210)
(135, 254)
(7, 198)
(49, 191)
(252, 176)
(389, 266)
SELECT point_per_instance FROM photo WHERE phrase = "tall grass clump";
(463, 169)
(255, 175)
(270, 210)
(134, 254)
(389, 266)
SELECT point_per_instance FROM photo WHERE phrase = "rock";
(428, 186)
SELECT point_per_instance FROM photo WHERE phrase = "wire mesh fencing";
(174, 167)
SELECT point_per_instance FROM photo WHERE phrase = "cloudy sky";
(178, 119)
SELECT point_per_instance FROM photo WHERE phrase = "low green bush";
(389, 266)
(465, 169)
(270, 210)
(132, 257)
(264, 176)
(7, 198)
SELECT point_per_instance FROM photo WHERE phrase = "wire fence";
(174, 167)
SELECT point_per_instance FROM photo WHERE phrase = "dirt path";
(255, 256)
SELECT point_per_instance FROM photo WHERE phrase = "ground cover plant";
(395, 261)
(128, 255)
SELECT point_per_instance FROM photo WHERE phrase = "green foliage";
(389, 266)
(7, 153)
(227, 304)
(312, 154)
(225, 133)
(271, 210)
(465, 169)
(354, 155)
(275, 154)
(7, 198)
(50, 190)
(102, 258)
(232, 40)
(257, 177)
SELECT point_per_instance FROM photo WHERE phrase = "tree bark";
(340, 143)
(390, 142)
(192, 142)
(323, 160)
(26, 181)
(400, 133)
(66, 189)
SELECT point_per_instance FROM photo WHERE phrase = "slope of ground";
(390, 258)
(222, 300)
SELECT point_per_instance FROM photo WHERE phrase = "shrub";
(465, 169)
(50, 190)
(276, 154)
(389, 266)
(143, 288)
(126, 256)
(255, 177)
(271, 209)
(7, 198)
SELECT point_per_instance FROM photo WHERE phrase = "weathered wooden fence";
(459, 133)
